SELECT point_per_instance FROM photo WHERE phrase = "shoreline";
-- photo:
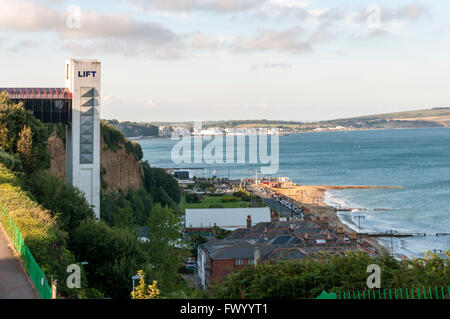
(313, 197)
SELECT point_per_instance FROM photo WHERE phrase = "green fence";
(393, 293)
(34, 271)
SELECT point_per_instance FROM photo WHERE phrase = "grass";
(207, 201)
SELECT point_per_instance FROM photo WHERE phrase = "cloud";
(217, 6)
(288, 40)
(25, 44)
(97, 32)
(272, 65)
(120, 33)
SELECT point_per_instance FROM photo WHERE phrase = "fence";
(34, 271)
(393, 293)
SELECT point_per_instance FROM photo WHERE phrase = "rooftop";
(38, 93)
(226, 218)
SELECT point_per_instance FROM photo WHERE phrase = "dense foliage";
(126, 209)
(22, 134)
(162, 186)
(63, 200)
(114, 140)
(192, 198)
(308, 277)
(39, 229)
(114, 254)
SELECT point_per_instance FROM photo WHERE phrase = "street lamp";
(135, 277)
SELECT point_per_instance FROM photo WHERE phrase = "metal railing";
(34, 271)
(392, 293)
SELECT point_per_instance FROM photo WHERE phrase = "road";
(14, 283)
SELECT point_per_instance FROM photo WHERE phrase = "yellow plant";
(144, 291)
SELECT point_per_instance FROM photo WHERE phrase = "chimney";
(340, 230)
(214, 233)
(353, 239)
(291, 228)
(257, 255)
(249, 221)
(306, 235)
(265, 233)
(325, 222)
(307, 214)
(329, 236)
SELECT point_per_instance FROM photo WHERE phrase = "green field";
(207, 201)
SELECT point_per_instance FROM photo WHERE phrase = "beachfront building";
(203, 220)
(77, 105)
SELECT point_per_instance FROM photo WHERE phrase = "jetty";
(393, 234)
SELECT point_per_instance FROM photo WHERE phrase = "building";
(164, 131)
(291, 240)
(181, 175)
(77, 105)
(203, 220)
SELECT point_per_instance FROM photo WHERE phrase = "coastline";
(313, 197)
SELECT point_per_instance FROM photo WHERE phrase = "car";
(191, 265)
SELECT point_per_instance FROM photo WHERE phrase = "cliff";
(120, 170)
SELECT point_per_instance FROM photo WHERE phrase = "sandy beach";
(313, 197)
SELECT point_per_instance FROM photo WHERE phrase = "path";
(14, 283)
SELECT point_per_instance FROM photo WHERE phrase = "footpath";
(14, 283)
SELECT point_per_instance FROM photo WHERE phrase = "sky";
(185, 60)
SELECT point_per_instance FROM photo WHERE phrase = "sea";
(416, 159)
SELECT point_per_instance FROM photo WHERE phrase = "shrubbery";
(24, 135)
(63, 200)
(40, 230)
(308, 277)
(229, 199)
(192, 198)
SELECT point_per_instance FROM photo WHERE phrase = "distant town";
(435, 117)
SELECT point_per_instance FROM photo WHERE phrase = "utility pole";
(303, 192)
(359, 221)
(316, 199)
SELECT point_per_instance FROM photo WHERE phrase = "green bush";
(63, 200)
(21, 133)
(192, 198)
(11, 162)
(309, 276)
(162, 186)
(114, 255)
(229, 199)
(40, 230)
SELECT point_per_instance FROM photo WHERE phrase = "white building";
(83, 79)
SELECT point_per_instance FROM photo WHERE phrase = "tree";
(309, 276)
(114, 256)
(22, 133)
(166, 248)
(63, 200)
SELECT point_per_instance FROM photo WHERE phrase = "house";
(290, 240)
(203, 220)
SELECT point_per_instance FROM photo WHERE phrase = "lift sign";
(86, 74)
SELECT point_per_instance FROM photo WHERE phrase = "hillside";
(132, 129)
(427, 117)
(120, 166)
(435, 117)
